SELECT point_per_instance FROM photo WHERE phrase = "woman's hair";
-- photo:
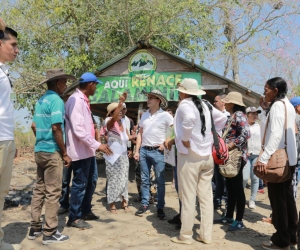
(280, 84)
(198, 104)
(237, 107)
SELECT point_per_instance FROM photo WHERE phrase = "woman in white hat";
(237, 136)
(195, 166)
(117, 172)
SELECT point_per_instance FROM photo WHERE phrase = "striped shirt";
(49, 110)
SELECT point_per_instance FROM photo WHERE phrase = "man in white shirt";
(8, 53)
(218, 178)
(219, 104)
(150, 150)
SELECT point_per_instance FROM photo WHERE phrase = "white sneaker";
(251, 204)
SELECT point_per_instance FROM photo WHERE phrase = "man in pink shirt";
(81, 147)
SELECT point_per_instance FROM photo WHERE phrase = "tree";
(243, 23)
(81, 35)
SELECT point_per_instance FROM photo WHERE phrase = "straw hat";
(111, 107)
(158, 94)
(234, 97)
(55, 74)
(190, 86)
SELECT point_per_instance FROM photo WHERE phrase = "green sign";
(113, 86)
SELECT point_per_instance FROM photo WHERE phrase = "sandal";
(126, 208)
(113, 210)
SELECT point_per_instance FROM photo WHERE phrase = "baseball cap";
(295, 101)
(252, 110)
(124, 105)
(88, 77)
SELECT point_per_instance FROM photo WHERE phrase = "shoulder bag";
(278, 168)
(219, 149)
(232, 166)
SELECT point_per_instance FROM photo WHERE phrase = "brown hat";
(235, 98)
(54, 74)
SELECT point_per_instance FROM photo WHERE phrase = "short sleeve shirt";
(155, 127)
(49, 110)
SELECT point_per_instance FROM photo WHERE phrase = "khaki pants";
(7, 154)
(194, 178)
(48, 187)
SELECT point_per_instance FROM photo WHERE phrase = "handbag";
(278, 168)
(232, 166)
(219, 149)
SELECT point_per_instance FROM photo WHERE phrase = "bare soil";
(125, 230)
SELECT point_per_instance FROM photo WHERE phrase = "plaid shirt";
(239, 132)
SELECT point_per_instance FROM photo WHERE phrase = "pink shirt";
(81, 144)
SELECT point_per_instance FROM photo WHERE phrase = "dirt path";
(125, 230)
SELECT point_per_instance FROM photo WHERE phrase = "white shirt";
(6, 106)
(155, 127)
(254, 142)
(187, 127)
(126, 124)
(275, 135)
(226, 113)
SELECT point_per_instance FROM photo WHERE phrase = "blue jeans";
(83, 187)
(248, 172)
(66, 179)
(220, 183)
(147, 159)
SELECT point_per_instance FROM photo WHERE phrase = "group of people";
(67, 139)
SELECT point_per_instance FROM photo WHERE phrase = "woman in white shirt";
(195, 166)
(284, 211)
(254, 146)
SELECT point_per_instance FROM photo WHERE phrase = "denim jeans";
(248, 172)
(220, 183)
(147, 159)
(65, 192)
(83, 187)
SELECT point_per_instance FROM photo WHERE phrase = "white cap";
(124, 105)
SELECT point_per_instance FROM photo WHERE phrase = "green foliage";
(81, 35)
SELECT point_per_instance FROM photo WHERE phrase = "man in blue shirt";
(50, 150)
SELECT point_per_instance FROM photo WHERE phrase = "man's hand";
(166, 143)
(105, 149)
(186, 144)
(161, 147)
(123, 97)
(67, 161)
(137, 156)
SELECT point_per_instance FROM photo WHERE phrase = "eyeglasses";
(179, 85)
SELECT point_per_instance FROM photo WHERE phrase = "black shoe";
(175, 220)
(34, 233)
(178, 226)
(57, 237)
(90, 216)
(62, 210)
(79, 224)
(160, 214)
(142, 210)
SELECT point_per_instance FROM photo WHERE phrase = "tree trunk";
(235, 63)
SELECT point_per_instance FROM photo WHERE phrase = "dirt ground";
(125, 230)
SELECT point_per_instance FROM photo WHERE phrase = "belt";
(150, 148)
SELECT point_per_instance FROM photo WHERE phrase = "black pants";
(284, 212)
(236, 195)
(219, 182)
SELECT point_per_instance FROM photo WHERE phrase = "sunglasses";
(151, 97)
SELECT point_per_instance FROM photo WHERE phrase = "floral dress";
(117, 174)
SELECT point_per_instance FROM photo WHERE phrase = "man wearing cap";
(254, 147)
(81, 147)
(48, 127)
(8, 53)
(149, 149)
